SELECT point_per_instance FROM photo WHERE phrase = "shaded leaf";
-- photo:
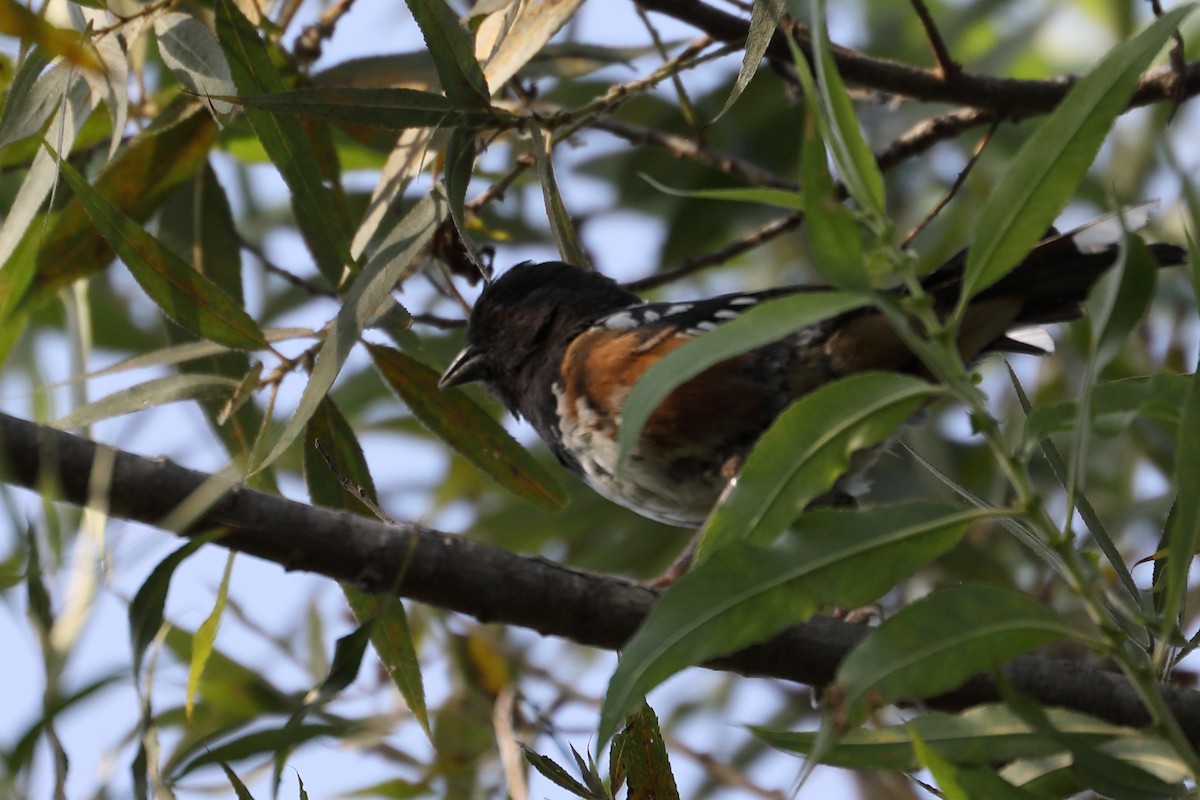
(453, 53)
(747, 593)
(981, 735)
(146, 608)
(191, 51)
(370, 289)
(284, 140)
(1048, 168)
(764, 16)
(1115, 405)
(643, 757)
(239, 789)
(556, 774)
(805, 451)
(562, 227)
(32, 96)
(759, 195)
(183, 294)
(154, 392)
(267, 741)
(472, 432)
(935, 644)
(389, 108)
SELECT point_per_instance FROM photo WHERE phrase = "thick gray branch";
(494, 585)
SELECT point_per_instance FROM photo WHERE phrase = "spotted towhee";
(562, 347)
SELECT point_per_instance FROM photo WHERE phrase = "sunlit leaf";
(18, 21)
(206, 637)
(764, 16)
(192, 52)
(152, 393)
(453, 53)
(759, 195)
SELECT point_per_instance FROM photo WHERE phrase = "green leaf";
(747, 594)
(284, 140)
(239, 789)
(371, 288)
(935, 644)
(765, 322)
(146, 608)
(206, 637)
(471, 431)
(759, 195)
(944, 773)
(552, 772)
(1116, 404)
(643, 758)
(347, 660)
(268, 741)
(1045, 173)
(154, 392)
(805, 451)
(388, 108)
(182, 293)
(453, 51)
(981, 735)
(764, 16)
(1125, 295)
(850, 150)
(561, 224)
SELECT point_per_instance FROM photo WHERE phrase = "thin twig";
(958, 182)
(685, 102)
(763, 234)
(928, 132)
(292, 278)
(681, 147)
(946, 65)
(311, 40)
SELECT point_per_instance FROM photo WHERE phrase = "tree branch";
(1009, 98)
(494, 585)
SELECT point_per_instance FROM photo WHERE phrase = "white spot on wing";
(622, 320)
(744, 300)
(677, 308)
(727, 313)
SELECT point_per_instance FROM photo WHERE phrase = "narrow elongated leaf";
(240, 791)
(154, 392)
(805, 451)
(1048, 168)
(183, 294)
(833, 233)
(1116, 404)
(136, 182)
(552, 772)
(766, 322)
(268, 741)
(1183, 535)
(471, 431)
(146, 608)
(206, 637)
(561, 224)
(32, 96)
(453, 53)
(524, 38)
(367, 294)
(389, 630)
(764, 16)
(935, 644)
(759, 195)
(980, 735)
(285, 143)
(191, 51)
(850, 150)
(1125, 297)
(833, 558)
(388, 108)
(643, 757)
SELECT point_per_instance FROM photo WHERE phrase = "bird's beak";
(467, 366)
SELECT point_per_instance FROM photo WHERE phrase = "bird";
(562, 347)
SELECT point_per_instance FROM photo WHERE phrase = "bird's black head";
(522, 324)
